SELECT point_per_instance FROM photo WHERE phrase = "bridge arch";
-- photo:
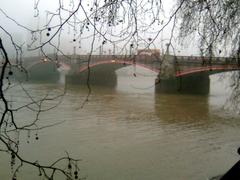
(207, 69)
(193, 79)
(118, 64)
(102, 72)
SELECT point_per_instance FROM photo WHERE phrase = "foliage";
(214, 22)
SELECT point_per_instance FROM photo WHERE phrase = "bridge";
(174, 72)
(190, 74)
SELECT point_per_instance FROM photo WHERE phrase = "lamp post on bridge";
(114, 49)
(101, 50)
(238, 54)
(131, 49)
(167, 50)
(74, 55)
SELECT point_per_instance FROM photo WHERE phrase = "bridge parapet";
(172, 65)
(195, 60)
(185, 62)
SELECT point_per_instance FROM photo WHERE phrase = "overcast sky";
(23, 12)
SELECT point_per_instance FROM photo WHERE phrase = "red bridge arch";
(121, 62)
(213, 69)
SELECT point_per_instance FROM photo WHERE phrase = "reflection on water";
(195, 109)
(132, 133)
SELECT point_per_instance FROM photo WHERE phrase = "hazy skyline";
(24, 13)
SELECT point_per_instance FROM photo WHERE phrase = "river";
(132, 133)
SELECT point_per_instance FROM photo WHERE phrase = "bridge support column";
(44, 72)
(194, 84)
(98, 76)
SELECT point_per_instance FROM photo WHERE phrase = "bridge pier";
(98, 76)
(39, 72)
(46, 71)
(193, 84)
(18, 74)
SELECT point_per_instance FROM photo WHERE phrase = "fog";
(21, 18)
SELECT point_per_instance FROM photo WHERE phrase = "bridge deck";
(182, 65)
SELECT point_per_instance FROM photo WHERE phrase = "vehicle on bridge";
(148, 52)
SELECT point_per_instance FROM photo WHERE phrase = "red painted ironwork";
(207, 68)
(84, 68)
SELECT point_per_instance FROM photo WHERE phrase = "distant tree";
(215, 23)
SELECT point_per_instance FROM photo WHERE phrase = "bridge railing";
(198, 60)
